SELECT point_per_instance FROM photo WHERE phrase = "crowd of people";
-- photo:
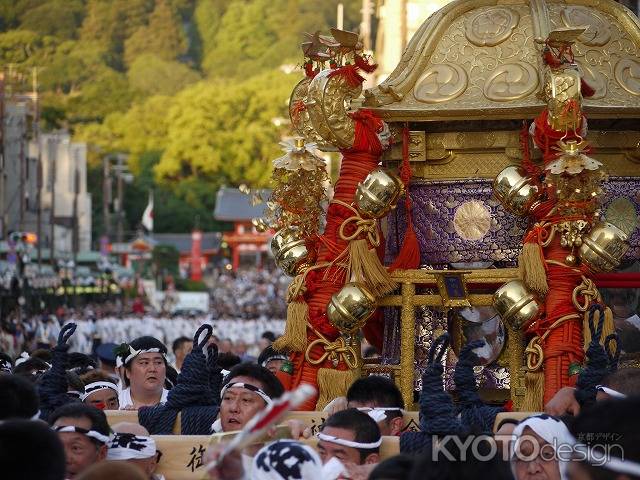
(249, 294)
(53, 423)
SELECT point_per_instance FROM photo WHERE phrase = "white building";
(63, 160)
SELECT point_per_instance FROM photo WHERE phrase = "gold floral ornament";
(298, 156)
(299, 189)
(576, 178)
(573, 159)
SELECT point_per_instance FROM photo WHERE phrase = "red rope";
(321, 284)
(409, 254)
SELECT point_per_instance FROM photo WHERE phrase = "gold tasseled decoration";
(608, 327)
(294, 338)
(334, 383)
(534, 392)
(365, 267)
(531, 268)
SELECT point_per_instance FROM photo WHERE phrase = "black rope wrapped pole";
(474, 413)
(52, 386)
(192, 394)
(437, 415)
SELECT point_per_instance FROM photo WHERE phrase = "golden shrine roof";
(481, 59)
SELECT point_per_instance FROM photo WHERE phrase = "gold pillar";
(407, 344)
(515, 352)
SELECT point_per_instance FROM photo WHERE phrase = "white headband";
(247, 386)
(610, 391)
(24, 356)
(127, 446)
(348, 443)
(379, 414)
(274, 357)
(133, 353)
(96, 387)
(88, 433)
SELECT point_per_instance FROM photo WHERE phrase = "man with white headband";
(377, 396)
(352, 437)
(542, 449)
(100, 391)
(132, 443)
(84, 433)
(145, 364)
(279, 460)
(248, 389)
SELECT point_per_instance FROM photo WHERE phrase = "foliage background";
(191, 90)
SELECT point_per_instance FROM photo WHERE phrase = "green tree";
(207, 16)
(25, 47)
(111, 22)
(59, 18)
(110, 92)
(163, 36)
(143, 128)
(151, 75)
(251, 37)
(72, 65)
(165, 259)
(224, 131)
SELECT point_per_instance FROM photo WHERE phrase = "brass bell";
(291, 252)
(350, 308)
(378, 193)
(603, 249)
(516, 191)
(516, 305)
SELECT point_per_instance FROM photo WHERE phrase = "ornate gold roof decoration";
(480, 59)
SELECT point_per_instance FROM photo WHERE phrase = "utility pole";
(22, 167)
(36, 131)
(75, 239)
(120, 211)
(340, 15)
(106, 196)
(2, 174)
(52, 247)
(39, 207)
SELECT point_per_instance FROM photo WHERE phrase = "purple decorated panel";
(460, 221)
(621, 200)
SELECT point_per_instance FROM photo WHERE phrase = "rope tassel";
(334, 383)
(531, 268)
(294, 338)
(365, 267)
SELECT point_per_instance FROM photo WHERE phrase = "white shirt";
(125, 397)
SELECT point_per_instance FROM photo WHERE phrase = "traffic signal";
(29, 238)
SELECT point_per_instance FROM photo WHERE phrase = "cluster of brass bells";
(603, 249)
(291, 253)
(350, 308)
(571, 238)
(516, 191)
(378, 193)
(516, 305)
